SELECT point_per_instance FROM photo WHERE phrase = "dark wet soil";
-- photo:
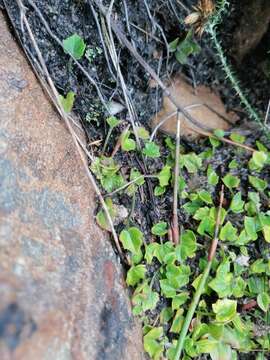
(142, 25)
(143, 29)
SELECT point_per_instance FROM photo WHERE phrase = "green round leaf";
(75, 46)
(112, 121)
(151, 150)
(132, 239)
(187, 247)
(231, 181)
(225, 310)
(135, 274)
(160, 229)
(263, 300)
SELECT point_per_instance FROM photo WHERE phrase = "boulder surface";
(62, 290)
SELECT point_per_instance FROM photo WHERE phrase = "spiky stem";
(211, 30)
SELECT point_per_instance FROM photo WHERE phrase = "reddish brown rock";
(61, 286)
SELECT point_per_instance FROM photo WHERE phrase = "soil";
(66, 17)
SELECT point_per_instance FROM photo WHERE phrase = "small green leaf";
(179, 300)
(207, 225)
(75, 46)
(206, 346)
(127, 144)
(152, 344)
(263, 300)
(212, 176)
(113, 182)
(178, 275)
(167, 288)
(144, 299)
(177, 322)
(258, 160)
(266, 233)
(160, 229)
(237, 138)
(233, 164)
(166, 315)
(237, 204)
(258, 267)
(142, 133)
(216, 330)
(214, 142)
(231, 181)
(68, 101)
(187, 247)
(159, 190)
(238, 287)
(228, 232)
(112, 121)
(205, 196)
(182, 184)
(225, 310)
(135, 274)
(164, 176)
(186, 48)
(191, 162)
(151, 252)
(258, 184)
(222, 285)
(103, 221)
(250, 227)
(173, 44)
(256, 284)
(132, 239)
(151, 150)
(219, 133)
(102, 218)
(134, 174)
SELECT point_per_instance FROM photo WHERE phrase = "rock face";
(62, 294)
(254, 23)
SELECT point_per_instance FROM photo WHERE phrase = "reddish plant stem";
(250, 305)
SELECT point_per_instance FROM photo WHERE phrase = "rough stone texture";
(208, 110)
(62, 294)
(254, 23)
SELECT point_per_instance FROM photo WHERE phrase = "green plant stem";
(175, 224)
(229, 73)
(107, 139)
(199, 291)
(191, 311)
(131, 214)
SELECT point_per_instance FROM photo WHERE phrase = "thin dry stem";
(223, 139)
(121, 36)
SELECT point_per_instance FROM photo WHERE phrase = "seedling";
(183, 49)
(113, 122)
(68, 101)
(74, 46)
